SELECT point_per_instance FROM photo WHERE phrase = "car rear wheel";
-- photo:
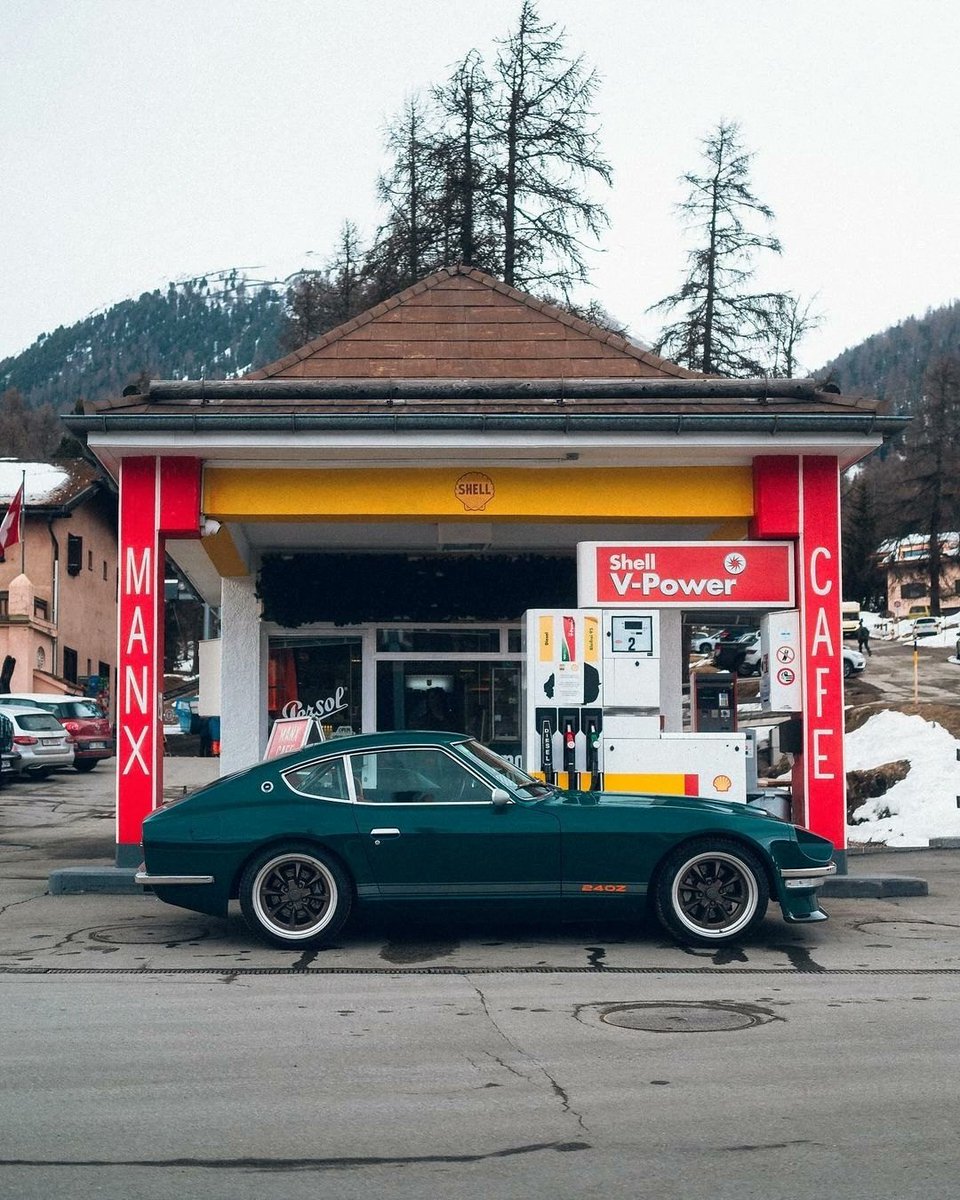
(84, 764)
(847, 668)
(711, 892)
(295, 896)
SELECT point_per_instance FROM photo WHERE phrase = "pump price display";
(631, 635)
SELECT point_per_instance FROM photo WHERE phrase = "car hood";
(654, 800)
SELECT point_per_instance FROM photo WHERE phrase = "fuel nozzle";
(569, 747)
(593, 756)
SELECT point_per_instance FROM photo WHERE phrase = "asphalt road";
(154, 1053)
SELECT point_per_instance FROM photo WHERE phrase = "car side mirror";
(500, 798)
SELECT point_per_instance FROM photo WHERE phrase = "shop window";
(439, 641)
(318, 675)
(74, 554)
(69, 664)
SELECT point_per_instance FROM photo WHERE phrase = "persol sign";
(686, 574)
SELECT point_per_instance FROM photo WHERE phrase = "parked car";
(741, 655)
(745, 658)
(83, 719)
(41, 741)
(708, 643)
(925, 627)
(9, 756)
(437, 818)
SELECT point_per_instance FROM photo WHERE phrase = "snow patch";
(920, 807)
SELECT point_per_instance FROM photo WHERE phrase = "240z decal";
(603, 887)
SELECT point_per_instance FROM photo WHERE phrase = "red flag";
(10, 525)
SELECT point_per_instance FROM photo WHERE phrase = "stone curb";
(74, 881)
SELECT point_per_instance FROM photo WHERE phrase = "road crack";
(558, 1090)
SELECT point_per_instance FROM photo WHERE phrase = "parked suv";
(41, 741)
(81, 718)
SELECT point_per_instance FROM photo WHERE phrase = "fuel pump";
(603, 701)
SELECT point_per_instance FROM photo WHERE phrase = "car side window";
(325, 780)
(422, 775)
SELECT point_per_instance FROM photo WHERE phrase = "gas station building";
(375, 514)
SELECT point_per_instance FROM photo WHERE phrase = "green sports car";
(438, 819)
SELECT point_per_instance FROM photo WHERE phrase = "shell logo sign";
(687, 574)
(722, 783)
(474, 490)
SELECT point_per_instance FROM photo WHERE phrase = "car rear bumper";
(145, 879)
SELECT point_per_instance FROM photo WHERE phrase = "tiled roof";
(53, 485)
(463, 324)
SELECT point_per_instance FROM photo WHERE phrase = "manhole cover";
(679, 1017)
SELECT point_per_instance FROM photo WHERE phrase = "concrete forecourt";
(149, 1051)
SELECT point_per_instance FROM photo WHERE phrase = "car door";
(431, 831)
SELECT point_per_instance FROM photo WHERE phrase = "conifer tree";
(541, 131)
(722, 327)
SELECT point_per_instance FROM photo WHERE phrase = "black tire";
(319, 907)
(847, 668)
(711, 892)
(37, 773)
(744, 668)
(705, 648)
(83, 765)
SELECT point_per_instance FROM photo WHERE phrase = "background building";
(58, 587)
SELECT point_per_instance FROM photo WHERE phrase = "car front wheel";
(295, 896)
(711, 892)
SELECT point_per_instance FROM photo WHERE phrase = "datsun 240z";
(437, 819)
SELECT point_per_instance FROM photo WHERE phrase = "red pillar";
(799, 497)
(157, 498)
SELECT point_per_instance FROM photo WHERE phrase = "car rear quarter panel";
(217, 835)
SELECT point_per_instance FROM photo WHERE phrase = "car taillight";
(69, 740)
(73, 726)
(21, 739)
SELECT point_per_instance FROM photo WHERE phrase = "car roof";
(41, 697)
(20, 710)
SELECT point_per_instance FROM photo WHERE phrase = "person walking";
(863, 639)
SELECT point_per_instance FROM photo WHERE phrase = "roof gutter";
(852, 422)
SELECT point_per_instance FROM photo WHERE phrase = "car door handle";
(377, 834)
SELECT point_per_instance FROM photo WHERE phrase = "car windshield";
(506, 774)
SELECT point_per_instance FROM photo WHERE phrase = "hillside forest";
(500, 166)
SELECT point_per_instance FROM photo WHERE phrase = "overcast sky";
(150, 140)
